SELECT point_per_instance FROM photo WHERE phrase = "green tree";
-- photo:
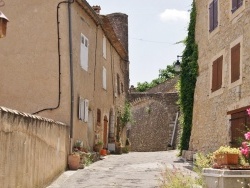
(164, 74)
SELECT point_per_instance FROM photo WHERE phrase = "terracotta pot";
(73, 161)
(103, 152)
(227, 159)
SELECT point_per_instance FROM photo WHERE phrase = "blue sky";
(154, 28)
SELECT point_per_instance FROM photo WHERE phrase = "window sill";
(216, 93)
(213, 33)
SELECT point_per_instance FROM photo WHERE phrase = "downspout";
(71, 76)
(59, 61)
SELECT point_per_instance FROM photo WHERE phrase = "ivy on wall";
(186, 85)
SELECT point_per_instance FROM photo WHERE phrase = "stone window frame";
(217, 28)
(219, 91)
(239, 40)
(237, 13)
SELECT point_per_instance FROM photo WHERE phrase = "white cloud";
(174, 15)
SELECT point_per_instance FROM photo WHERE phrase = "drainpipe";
(71, 76)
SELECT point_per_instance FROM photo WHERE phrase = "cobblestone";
(135, 169)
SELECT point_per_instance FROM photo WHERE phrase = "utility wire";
(160, 42)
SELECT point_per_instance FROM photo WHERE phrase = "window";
(98, 117)
(84, 52)
(104, 78)
(213, 15)
(104, 47)
(122, 87)
(240, 123)
(217, 74)
(118, 84)
(236, 4)
(83, 109)
(235, 63)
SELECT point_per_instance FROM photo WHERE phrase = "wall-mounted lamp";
(177, 65)
(3, 25)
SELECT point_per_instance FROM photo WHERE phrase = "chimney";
(97, 9)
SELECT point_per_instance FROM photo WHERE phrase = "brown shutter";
(215, 24)
(220, 66)
(211, 13)
(240, 2)
(214, 76)
(234, 5)
(235, 63)
(217, 74)
(239, 126)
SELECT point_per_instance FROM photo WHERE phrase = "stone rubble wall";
(153, 120)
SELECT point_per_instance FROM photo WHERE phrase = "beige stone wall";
(211, 125)
(33, 149)
(29, 65)
(29, 58)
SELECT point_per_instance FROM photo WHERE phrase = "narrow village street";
(135, 169)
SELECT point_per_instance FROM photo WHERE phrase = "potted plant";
(98, 146)
(78, 145)
(226, 155)
(74, 161)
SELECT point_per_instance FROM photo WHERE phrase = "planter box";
(224, 178)
(227, 159)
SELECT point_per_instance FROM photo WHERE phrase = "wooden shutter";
(234, 5)
(98, 116)
(104, 78)
(240, 2)
(235, 63)
(211, 13)
(239, 126)
(215, 16)
(214, 76)
(217, 74)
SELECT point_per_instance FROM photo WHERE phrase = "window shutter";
(81, 109)
(104, 78)
(240, 2)
(217, 74)
(118, 84)
(219, 69)
(84, 52)
(215, 20)
(234, 5)
(214, 76)
(235, 63)
(104, 47)
(86, 110)
(211, 13)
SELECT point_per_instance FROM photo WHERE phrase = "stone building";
(155, 118)
(222, 92)
(63, 60)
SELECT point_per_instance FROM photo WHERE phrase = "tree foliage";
(164, 74)
(189, 73)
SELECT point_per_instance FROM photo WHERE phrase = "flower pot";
(103, 152)
(227, 159)
(98, 147)
(73, 161)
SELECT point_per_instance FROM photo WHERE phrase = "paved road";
(132, 170)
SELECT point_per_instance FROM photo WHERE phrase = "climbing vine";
(186, 85)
